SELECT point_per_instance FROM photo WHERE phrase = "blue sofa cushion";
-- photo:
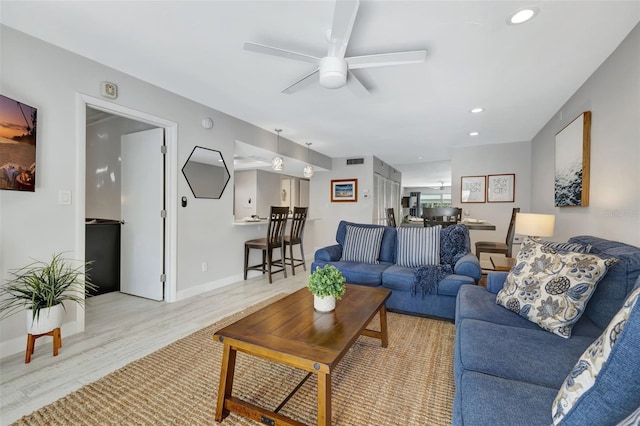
(359, 273)
(418, 246)
(550, 287)
(362, 244)
(477, 303)
(526, 355)
(482, 400)
(399, 278)
(387, 247)
(604, 385)
(612, 291)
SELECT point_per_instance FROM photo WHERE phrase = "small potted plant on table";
(41, 289)
(327, 285)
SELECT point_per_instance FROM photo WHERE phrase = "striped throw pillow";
(362, 244)
(418, 246)
(574, 247)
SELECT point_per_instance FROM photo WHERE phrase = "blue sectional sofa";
(400, 280)
(508, 370)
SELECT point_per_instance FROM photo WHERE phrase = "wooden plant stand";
(31, 343)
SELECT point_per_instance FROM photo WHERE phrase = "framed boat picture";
(18, 124)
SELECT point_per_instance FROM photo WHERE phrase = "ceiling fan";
(334, 70)
(441, 187)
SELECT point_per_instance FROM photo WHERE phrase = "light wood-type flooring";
(120, 329)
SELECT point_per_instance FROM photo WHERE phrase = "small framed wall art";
(472, 189)
(501, 188)
(344, 190)
(572, 169)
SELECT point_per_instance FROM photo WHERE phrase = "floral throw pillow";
(582, 379)
(551, 288)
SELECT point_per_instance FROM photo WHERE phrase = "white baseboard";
(212, 285)
(19, 344)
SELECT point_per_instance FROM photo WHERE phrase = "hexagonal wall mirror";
(206, 173)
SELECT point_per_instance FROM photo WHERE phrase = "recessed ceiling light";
(474, 134)
(523, 15)
(477, 110)
(419, 158)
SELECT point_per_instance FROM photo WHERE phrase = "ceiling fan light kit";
(334, 69)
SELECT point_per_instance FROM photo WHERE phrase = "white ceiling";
(521, 74)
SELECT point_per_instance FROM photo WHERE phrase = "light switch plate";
(64, 197)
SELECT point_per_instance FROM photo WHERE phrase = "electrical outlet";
(204, 267)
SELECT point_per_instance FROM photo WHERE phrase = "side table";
(502, 263)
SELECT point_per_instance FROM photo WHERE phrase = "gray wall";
(493, 160)
(612, 94)
(34, 225)
(102, 191)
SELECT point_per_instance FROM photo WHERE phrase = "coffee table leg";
(324, 399)
(383, 326)
(226, 380)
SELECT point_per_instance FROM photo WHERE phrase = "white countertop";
(260, 222)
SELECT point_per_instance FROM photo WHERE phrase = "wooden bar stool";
(31, 343)
(295, 238)
(274, 239)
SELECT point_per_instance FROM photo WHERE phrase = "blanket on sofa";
(454, 243)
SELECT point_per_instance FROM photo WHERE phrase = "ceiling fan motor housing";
(333, 72)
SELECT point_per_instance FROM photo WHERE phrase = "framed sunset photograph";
(18, 124)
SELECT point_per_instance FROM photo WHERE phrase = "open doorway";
(124, 198)
(91, 110)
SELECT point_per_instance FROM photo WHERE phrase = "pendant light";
(277, 163)
(308, 170)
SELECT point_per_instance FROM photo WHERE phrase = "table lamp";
(535, 225)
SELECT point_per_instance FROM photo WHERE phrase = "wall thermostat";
(108, 90)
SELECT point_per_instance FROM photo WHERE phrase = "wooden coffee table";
(290, 332)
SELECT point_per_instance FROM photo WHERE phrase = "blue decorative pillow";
(418, 246)
(632, 420)
(362, 244)
(574, 247)
(604, 385)
(551, 287)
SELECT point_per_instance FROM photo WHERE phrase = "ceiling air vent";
(352, 161)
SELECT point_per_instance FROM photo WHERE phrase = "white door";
(142, 237)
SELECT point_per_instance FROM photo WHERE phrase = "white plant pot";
(324, 304)
(48, 320)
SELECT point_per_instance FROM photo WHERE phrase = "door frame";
(171, 185)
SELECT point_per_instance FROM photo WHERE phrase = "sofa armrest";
(468, 265)
(329, 254)
(495, 281)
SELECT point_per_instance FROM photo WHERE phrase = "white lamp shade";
(277, 163)
(535, 225)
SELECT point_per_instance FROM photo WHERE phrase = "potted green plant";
(327, 285)
(42, 288)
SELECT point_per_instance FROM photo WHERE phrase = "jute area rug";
(408, 383)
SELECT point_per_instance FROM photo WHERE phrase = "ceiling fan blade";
(386, 59)
(300, 83)
(276, 51)
(355, 85)
(344, 16)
